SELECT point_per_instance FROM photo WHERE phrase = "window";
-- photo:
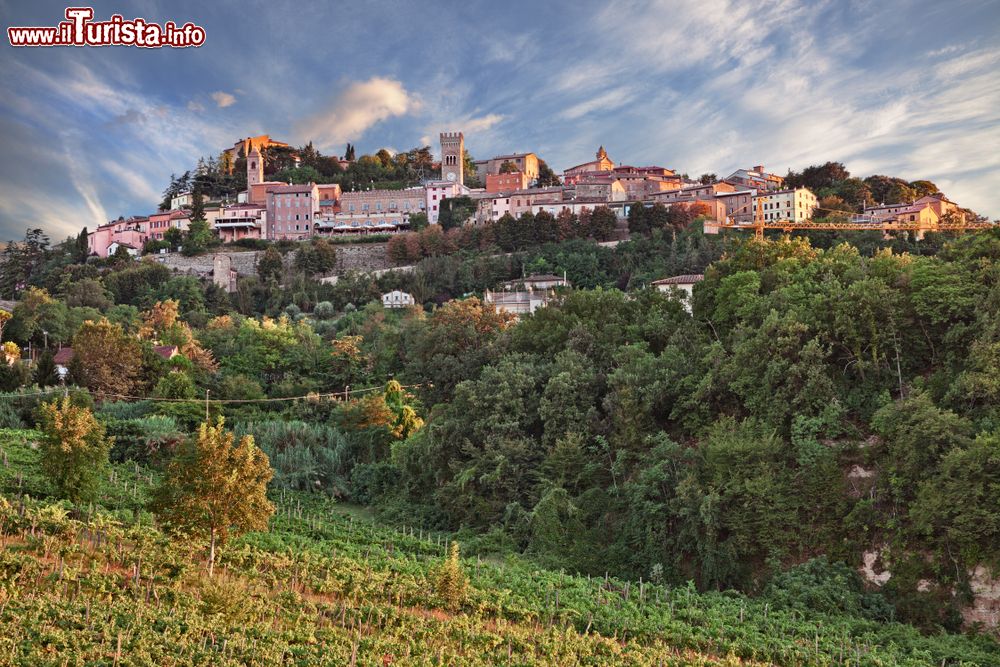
(307, 217)
(296, 217)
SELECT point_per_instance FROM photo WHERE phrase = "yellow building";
(795, 205)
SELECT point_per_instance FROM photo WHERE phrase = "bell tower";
(255, 168)
(453, 157)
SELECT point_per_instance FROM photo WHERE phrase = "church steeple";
(602, 154)
(255, 167)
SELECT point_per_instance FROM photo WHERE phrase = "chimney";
(759, 168)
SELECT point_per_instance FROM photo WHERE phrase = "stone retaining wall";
(363, 257)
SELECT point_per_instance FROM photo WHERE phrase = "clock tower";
(453, 157)
(255, 168)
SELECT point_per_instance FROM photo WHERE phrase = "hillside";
(328, 586)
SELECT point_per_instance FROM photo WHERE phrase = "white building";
(794, 205)
(182, 200)
(397, 299)
(685, 284)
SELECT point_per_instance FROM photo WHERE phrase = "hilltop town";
(457, 190)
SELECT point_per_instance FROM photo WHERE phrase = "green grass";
(329, 586)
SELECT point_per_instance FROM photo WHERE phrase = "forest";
(820, 405)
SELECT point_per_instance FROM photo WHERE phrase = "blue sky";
(901, 88)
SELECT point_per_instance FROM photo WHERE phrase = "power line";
(153, 399)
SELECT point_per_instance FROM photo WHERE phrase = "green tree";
(450, 583)
(638, 219)
(74, 449)
(270, 266)
(547, 177)
(198, 238)
(214, 488)
(603, 223)
(46, 374)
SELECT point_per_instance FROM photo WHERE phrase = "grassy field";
(327, 585)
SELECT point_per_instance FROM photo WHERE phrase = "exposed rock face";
(872, 570)
(985, 607)
(860, 481)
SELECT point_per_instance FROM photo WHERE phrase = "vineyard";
(328, 586)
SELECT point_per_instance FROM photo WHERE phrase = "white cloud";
(609, 101)
(223, 99)
(358, 107)
(195, 106)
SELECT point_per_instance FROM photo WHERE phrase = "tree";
(316, 257)
(826, 175)
(174, 237)
(455, 211)
(81, 250)
(470, 171)
(602, 223)
(349, 153)
(508, 167)
(74, 449)
(638, 219)
(214, 488)
(46, 374)
(21, 260)
(105, 358)
(708, 179)
(199, 236)
(270, 266)
(450, 582)
(547, 177)
(418, 221)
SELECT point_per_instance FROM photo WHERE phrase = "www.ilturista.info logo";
(80, 30)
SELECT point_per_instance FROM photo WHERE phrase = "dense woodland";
(611, 433)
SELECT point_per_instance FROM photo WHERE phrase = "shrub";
(305, 457)
(74, 449)
(147, 440)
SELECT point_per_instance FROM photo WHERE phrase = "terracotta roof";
(686, 279)
(166, 351)
(63, 356)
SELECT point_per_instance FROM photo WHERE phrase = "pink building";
(159, 223)
(241, 221)
(438, 191)
(292, 211)
(131, 233)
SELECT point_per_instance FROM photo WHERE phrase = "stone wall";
(363, 257)
(244, 262)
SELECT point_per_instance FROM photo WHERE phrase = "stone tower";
(255, 168)
(452, 157)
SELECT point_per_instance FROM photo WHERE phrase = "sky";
(908, 89)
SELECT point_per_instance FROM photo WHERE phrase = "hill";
(328, 586)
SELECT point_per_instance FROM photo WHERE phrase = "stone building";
(601, 163)
(453, 157)
(526, 163)
(755, 178)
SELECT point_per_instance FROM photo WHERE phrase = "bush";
(827, 588)
(147, 440)
(324, 310)
(372, 481)
(305, 457)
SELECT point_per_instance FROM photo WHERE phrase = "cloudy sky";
(894, 87)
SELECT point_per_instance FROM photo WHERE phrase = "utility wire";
(127, 397)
